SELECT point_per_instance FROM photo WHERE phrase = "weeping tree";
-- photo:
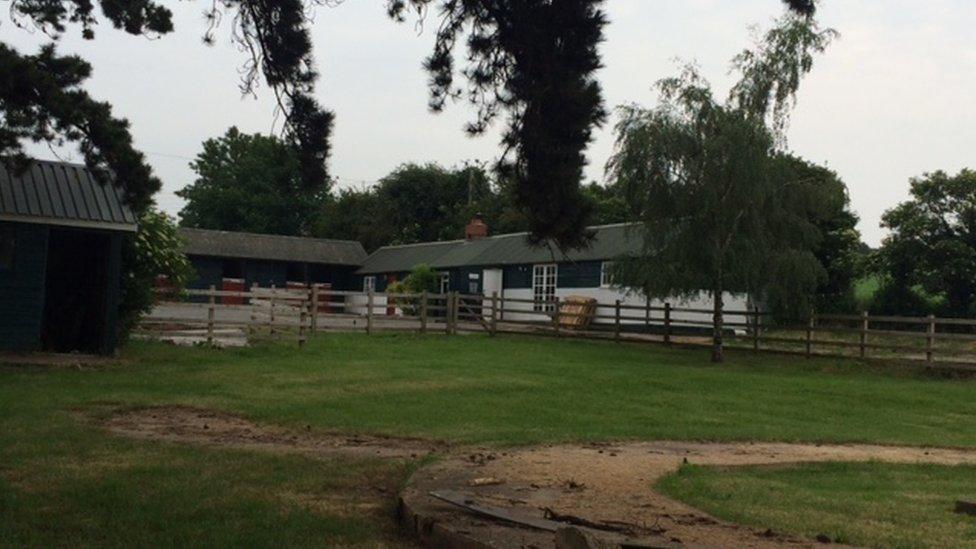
(719, 208)
(533, 61)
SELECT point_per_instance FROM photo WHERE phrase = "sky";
(893, 98)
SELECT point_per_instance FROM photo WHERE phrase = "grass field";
(64, 480)
(854, 503)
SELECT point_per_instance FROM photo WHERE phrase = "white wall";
(606, 297)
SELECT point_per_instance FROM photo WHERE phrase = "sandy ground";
(610, 486)
(606, 487)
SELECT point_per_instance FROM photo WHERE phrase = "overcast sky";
(895, 97)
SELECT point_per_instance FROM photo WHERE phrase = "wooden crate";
(576, 311)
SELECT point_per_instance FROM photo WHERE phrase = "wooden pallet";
(576, 312)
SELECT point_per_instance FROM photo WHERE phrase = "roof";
(271, 247)
(508, 249)
(60, 193)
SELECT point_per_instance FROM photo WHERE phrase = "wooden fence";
(210, 315)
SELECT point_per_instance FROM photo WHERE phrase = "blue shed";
(61, 234)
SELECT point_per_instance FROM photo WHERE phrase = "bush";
(153, 251)
(422, 278)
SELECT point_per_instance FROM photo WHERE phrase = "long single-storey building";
(265, 260)
(509, 266)
(61, 234)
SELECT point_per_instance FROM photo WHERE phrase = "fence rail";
(210, 315)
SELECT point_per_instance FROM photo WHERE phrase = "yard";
(65, 480)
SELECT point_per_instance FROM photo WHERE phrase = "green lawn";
(868, 504)
(65, 481)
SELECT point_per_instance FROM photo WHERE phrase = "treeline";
(251, 183)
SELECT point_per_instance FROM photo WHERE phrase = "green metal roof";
(61, 193)
(508, 249)
(271, 247)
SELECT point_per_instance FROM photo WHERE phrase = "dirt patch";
(603, 489)
(213, 428)
(609, 488)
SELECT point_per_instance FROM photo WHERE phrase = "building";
(61, 234)
(248, 258)
(514, 269)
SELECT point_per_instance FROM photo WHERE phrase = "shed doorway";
(76, 284)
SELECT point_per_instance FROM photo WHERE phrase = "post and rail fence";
(219, 317)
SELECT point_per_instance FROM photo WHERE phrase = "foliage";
(931, 250)
(535, 61)
(771, 72)
(427, 202)
(41, 99)
(723, 210)
(421, 279)
(838, 248)
(154, 251)
(252, 183)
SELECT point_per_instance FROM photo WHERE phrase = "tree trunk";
(718, 354)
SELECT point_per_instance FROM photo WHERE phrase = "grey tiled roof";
(59, 193)
(508, 249)
(272, 247)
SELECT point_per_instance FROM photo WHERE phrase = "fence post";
(271, 310)
(369, 312)
(555, 315)
(315, 308)
(448, 307)
(211, 314)
(501, 307)
(456, 309)
(810, 325)
(755, 328)
(863, 347)
(423, 312)
(302, 317)
(647, 314)
(494, 313)
(616, 320)
(930, 339)
(667, 323)
(254, 315)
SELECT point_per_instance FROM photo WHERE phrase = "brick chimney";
(475, 229)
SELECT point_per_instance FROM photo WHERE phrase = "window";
(606, 274)
(445, 282)
(544, 287)
(369, 284)
(8, 238)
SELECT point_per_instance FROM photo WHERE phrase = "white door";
(491, 283)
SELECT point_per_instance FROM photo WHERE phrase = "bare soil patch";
(604, 490)
(608, 490)
(213, 428)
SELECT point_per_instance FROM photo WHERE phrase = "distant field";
(864, 290)
(66, 481)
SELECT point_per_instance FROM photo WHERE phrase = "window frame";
(369, 284)
(545, 278)
(606, 274)
(444, 282)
